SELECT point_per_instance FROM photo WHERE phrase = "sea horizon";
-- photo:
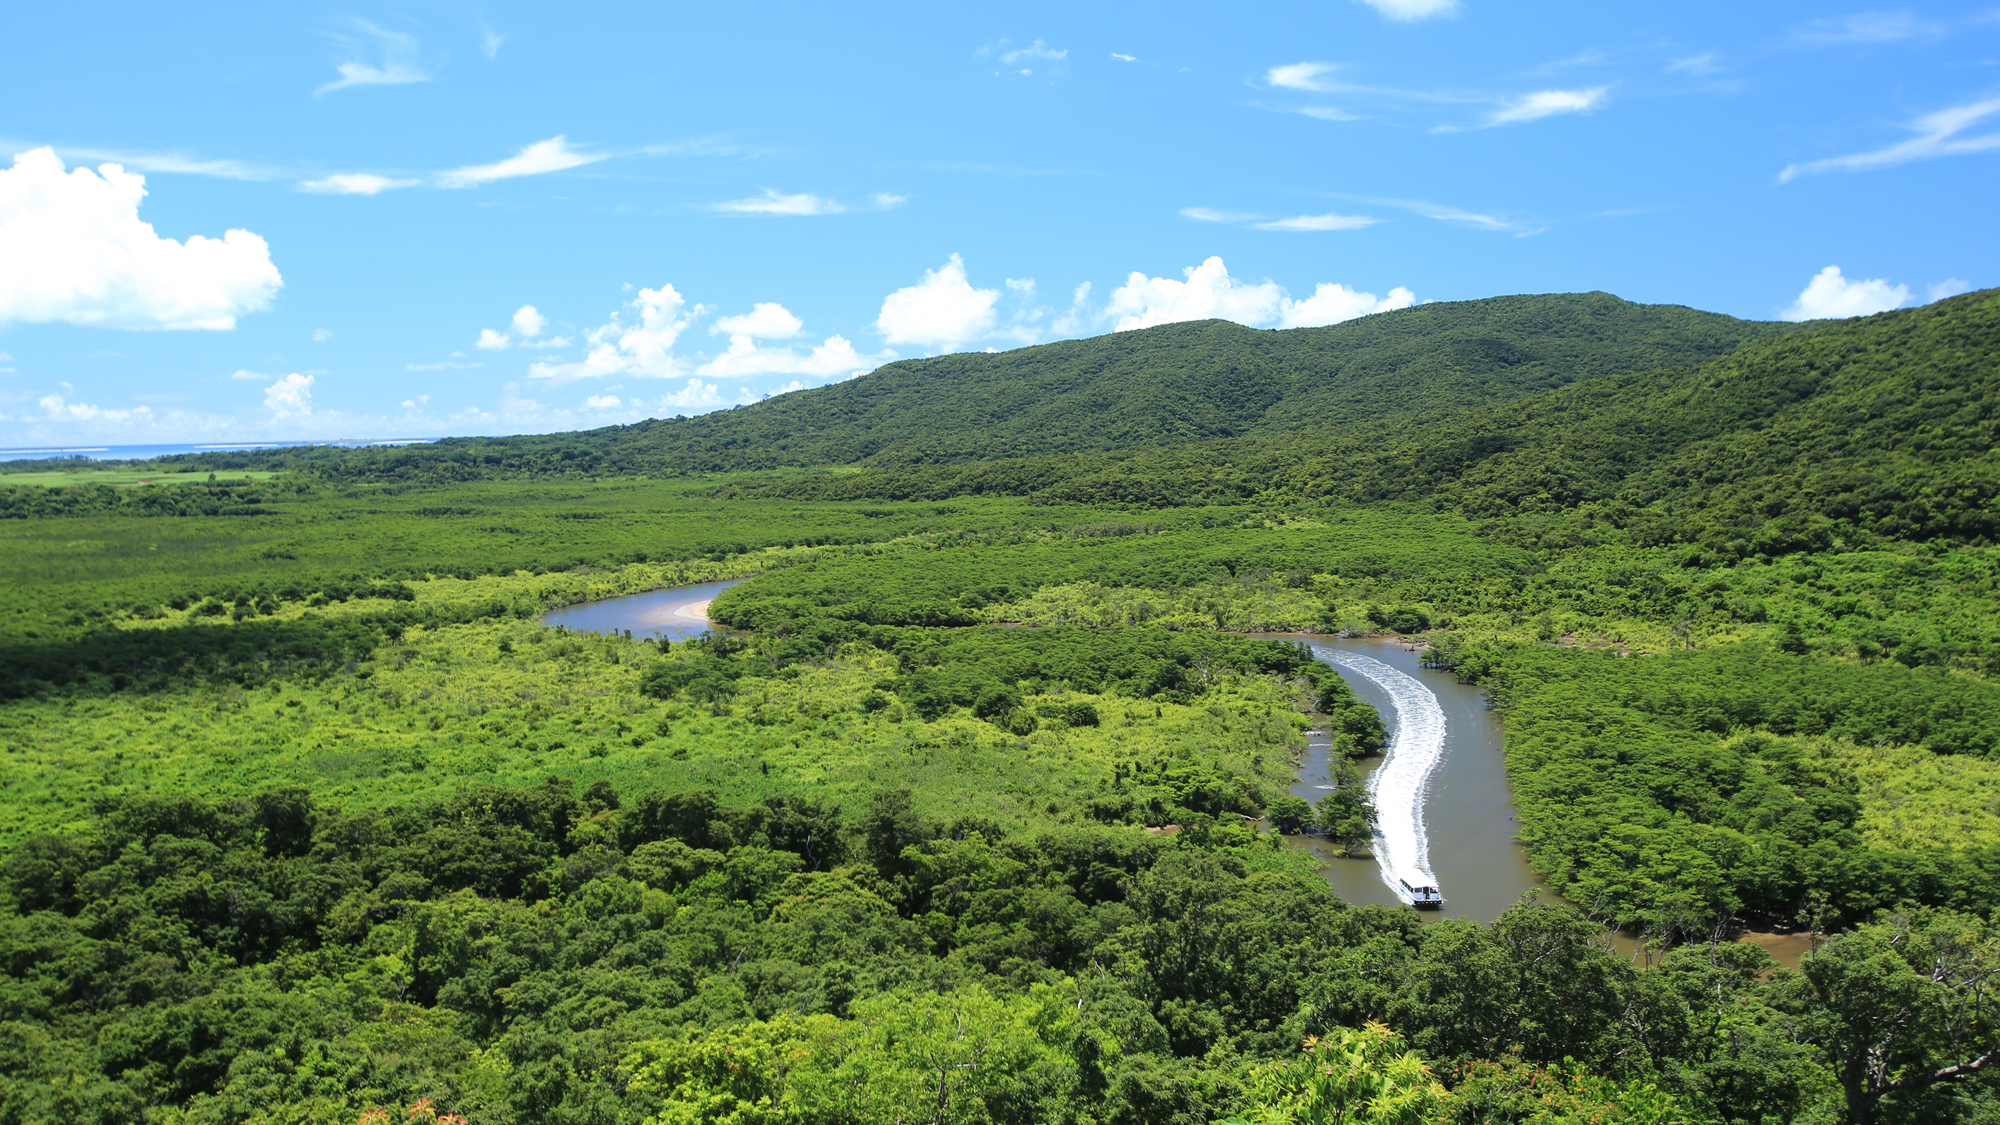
(149, 452)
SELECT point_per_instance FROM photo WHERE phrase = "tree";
(1289, 814)
(1350, 1075)
(1347, 814)
(1900, 1006)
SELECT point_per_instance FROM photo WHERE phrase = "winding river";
(1447, 814)
(1440, 788)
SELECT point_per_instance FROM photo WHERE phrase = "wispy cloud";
(489, 41)
(1124, 58)
(1414, 9)
(1867, 27)
(773, 202)
(1937, 135)
(1037, 51)
(1302, 76)
(552, 155)
(1211, 215)
(1547, 103)
(355, 183)
(1328, 113)
(1319, 222)
(172, 162)
(1698, 66)
(1461, 217)
(396, 60)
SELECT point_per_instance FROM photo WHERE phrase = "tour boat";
(1422, 896)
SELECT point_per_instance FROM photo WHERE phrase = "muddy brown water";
(1468, 807)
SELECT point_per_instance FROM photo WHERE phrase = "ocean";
(148, 452)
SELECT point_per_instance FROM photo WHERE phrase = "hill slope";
(1169, 385)
(1879, 426)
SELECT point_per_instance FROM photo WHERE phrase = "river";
(1446, 810)
(675, 614)
(1441, 789)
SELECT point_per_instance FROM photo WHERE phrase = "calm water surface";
(675, 614)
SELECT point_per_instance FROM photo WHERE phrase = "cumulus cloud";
(1037, 50)
(290, 397)
(396, 55)
(1208, 291)
(776, 203)
(1301, 76)
(355, 183)
(1949, 287)
(745, 357)
(552, 155)
(73, 248)
(644, 349)
(1331, 304)
(603, 402)
(1937, 134)
(767, 320)
(60, 410)
(1829, 295)
(1320, 222)
(941, 311)
(1414, 9)
(528, 322)
(491, 340)
(1547, 103)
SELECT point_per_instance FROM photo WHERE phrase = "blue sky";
(440, 218)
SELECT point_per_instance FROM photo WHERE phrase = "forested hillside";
(1160, 386)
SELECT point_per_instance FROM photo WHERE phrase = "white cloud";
(1209, 292)
(489, 42)
(413, 403)
(1124, 58)
(1320, 222)
(1547, 103)
(355, 183)
(768, 320)
(1302, 76)
(885, 201)
(834, 357)
(941, 311)
(1699, 66)
(1829, 295)
(245, 375)
(60, 410)
(644, 349)
(1868, 27)
(73, 248)
(1414, 9)
(1212, 215)
(398, 64)
(1331, 304)
(1032, 52)
(552, 155)
(176, 163)
(1949, 287)
(1328, 113)
(290, 397)
(603, 402)
(775, 203)
(1937, 135)
(491, 340)
(322, 335)
(441, 365)
(528, 322)
(1457, 215)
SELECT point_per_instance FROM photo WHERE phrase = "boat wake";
(1402, 850)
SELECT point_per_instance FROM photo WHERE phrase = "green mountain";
(1883, 426)
(1169, 385)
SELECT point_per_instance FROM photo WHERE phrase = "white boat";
(1422, 895)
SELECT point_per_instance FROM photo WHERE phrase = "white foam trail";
(1402, 850)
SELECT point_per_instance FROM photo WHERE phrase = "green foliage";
(1364, 1076)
